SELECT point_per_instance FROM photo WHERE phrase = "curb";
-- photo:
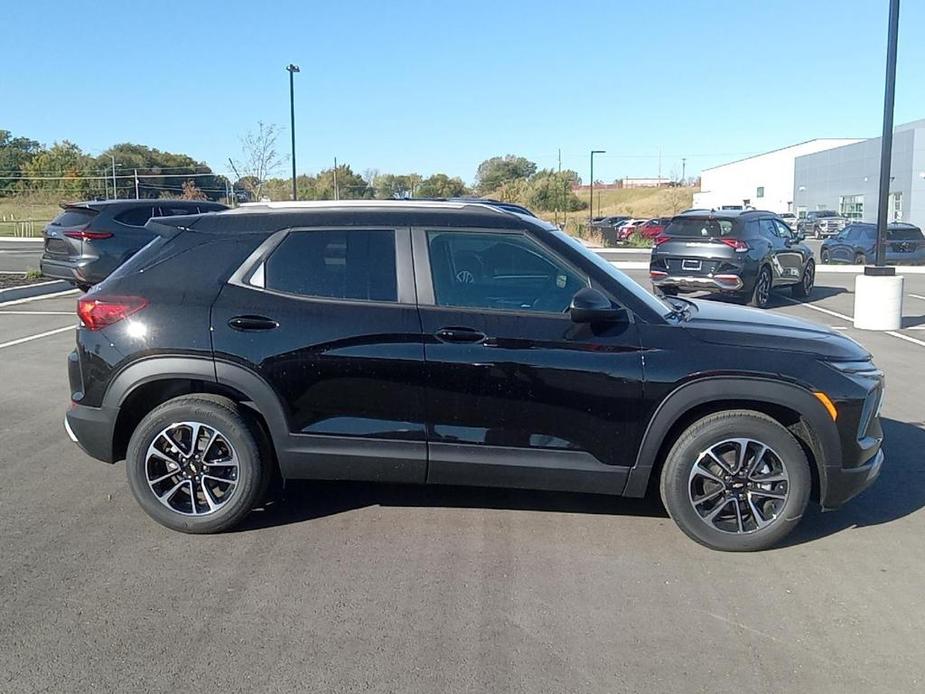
(32, 290)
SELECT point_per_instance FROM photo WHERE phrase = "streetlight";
(591, 197)
(292, 70)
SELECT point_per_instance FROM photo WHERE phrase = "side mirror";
(590, 306)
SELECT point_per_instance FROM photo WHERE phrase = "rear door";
(327, 317)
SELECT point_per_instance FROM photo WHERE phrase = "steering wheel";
(550, 297)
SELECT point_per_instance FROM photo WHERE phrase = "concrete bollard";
(878, 302)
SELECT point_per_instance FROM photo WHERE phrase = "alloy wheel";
(191, 468)
(809, 277)
(738, 486)
(763, 288)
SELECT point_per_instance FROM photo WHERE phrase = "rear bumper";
(64, 269)
(91, 428)
(843, 484)
(726, 283)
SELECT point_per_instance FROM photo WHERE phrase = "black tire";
(246, 440)
(804, 287)
(761, 293)
(859, 259)
(824, 257)
(711, 433)
(816, 233)
(83, 286)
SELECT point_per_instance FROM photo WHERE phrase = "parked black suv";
(88, 240)
(741, 253)
(450, 343)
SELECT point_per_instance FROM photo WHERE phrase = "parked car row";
(821, 224)
(619, 229)
(857, 244)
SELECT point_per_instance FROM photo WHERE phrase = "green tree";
(67, 169)
(495, 172)
(551, 190)
(439, 185)
(15, 153)
(160, 174)
(389, 186)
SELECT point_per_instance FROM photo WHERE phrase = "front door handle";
(459, 335)
(252, 323)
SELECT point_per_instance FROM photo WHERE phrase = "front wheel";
(859, 259)
(736, 481)
(804, 287)
(195, 464)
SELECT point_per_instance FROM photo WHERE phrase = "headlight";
(854, 367)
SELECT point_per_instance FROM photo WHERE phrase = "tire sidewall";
(709, 431)
(239, 432)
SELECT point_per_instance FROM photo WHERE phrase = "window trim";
(425, 281)
(252, 272)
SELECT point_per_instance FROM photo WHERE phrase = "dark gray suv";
(88, 240)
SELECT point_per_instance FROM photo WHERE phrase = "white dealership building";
(764, 181)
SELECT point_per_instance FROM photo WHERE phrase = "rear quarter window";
(905, 234)
(135, 216)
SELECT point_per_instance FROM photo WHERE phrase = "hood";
(726, 324)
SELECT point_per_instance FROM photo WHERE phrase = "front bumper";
(843, 484)
(91, 428)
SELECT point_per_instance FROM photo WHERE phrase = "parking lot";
(348, 587)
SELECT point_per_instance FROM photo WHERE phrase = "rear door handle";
(252, 323)
(459, 335)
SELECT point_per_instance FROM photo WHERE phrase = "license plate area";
(688, 264)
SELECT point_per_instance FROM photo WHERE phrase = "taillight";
(84, 235)
(660, 239)
(98, 312)
(736, 244)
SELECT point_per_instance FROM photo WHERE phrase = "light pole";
(292, 70)
(886, 139)
(115, 191)
(591, 196)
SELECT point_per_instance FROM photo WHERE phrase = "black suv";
(742, 253)
(88, 240)
(454, 343)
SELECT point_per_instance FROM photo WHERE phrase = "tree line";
(64, 171)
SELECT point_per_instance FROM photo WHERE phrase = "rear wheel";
(762, 292)
(195, 464)
(825, 257)
(736, 481)
(804, 288)
(860, 259)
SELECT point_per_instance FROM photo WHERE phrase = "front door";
(786, 259)
(518, 395)
(328, 320)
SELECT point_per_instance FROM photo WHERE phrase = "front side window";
(768, 229)
(499, 271)
(337, 264)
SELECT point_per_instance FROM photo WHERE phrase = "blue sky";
(431, 86)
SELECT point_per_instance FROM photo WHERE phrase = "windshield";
(650, 300)
(700, 228)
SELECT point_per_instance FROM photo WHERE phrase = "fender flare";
(824, 434)
(159, 368)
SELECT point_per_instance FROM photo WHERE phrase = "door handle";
(251, 323)
(459, 335)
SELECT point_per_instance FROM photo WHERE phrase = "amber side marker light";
(828, 404)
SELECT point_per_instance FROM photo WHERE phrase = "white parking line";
(819, 308)
(47, 333)
(917, 296)
(920, 343)
(14, 302)
(35, 313)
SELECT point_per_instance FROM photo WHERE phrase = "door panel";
(534, 400)
(349, 373)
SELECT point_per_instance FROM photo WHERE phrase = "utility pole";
(591, 195)
(559, 193)
(683, 169)
(659, 167)
(292, 70)
(115, 191)
(136, 184)
(336, 191)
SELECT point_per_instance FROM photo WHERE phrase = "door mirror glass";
(590, 306)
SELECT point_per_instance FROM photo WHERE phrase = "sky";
(405, 86)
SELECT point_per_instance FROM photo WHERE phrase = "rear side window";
(904, 234)
(353, 264)
(74, 217)
(178, 210)
(136, 216)
(700, 228)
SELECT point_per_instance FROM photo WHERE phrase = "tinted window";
(703, 228)
(783, 230)
(335, 264)
(74, 216)
(136, 216)
(904, 234)
(768, 229)
(499, 271)
(178, 210)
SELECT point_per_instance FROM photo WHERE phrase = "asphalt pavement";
(359, 587)
(20, 255)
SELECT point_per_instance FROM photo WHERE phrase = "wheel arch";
(144, 385)
(793, 406)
